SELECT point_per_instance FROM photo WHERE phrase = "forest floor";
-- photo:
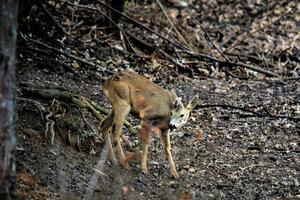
(242, 140)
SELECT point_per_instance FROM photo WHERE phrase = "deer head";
(181, 113)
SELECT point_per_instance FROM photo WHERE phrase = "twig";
(57, 50)
(210, 40)
(43, 7)
(152, 48)
(139, 24)
(255, 59)
(252, 57)
(107, 17)
(171, 59)
(172, 25)
(230, 106)
(115, 24)
(87, 123)
(141, 42)
(51, 60)
(256, 114)
(291, 79)
(128, 18)
(200, 55)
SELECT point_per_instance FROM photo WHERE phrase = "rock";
(192, 170)
(92, 152)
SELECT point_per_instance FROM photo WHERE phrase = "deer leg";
(105, 129)
(110, 151)
(122, 109)
(165, 139)
(145, 137)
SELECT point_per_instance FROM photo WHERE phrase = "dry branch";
(43, 7)
(58, 51)
(214, 45)
(143, 26)
(255, 114)
(254, 68)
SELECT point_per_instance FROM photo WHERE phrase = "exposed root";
(59, 98)
(49, 128)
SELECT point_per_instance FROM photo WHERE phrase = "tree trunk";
(8, 34)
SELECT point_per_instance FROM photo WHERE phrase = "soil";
(241, 142)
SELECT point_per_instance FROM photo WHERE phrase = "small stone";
(296, 182)
(183, 4)
(297, 149)
(171, 182)
(153, 162)
(285, 183)
(92, 152)
(192, 170)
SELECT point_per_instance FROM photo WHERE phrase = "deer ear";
(176, 100)
(178, 103)
(192, 103)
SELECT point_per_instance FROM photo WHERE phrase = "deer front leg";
(165, 139)
(145, 137)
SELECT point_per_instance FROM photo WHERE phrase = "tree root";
(68, 98)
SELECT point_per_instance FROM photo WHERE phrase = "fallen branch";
(58, 51)
(255, 114)
(130, 19)
(210, 40)
(141, 25)
(50, 59)
(226, 63)
(43, 7)
(116, 25)
(171, 59)
(172, 25)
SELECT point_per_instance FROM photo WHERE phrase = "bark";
(8, 34)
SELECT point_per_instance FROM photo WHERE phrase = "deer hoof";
(175, 175)
(125, 165)
(114, 161)
(144, 170)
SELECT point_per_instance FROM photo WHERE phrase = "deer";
(159, 110)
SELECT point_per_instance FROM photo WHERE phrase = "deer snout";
(172, 126)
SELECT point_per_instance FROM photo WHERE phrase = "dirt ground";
(241, 142)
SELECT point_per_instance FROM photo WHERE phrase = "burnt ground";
(242, 141)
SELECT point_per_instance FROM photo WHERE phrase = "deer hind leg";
(165, 139)
(145, 137)
(105, 129)
(121, 110)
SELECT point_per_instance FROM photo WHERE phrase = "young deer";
(158, 109)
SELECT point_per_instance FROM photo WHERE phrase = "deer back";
(145, 98)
